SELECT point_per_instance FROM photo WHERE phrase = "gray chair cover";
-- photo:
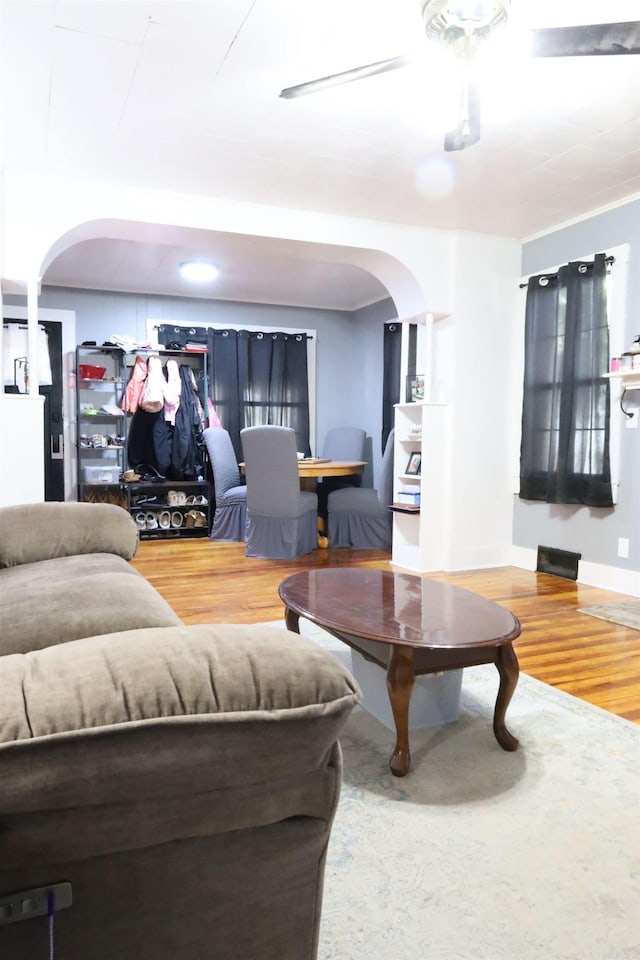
(344, 443)
(340, 443)
(361, 517)
(281, 519)
(230, 517)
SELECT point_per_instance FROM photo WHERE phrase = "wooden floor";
(593, 659)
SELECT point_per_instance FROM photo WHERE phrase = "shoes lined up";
(178, 498)
(170, 519)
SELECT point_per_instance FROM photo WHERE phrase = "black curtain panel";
(564, 456)
(392, 345)
(254, 378)
(259, 378)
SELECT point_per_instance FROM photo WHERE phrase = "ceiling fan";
(464, 27)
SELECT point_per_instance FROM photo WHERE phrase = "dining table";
(310, 468)
(314, 467)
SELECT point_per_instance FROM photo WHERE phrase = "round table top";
(325, 468)
(330, 468)
(398, 608)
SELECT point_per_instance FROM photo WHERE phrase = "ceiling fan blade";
(589, 40)
(467, 130)
(347, 76)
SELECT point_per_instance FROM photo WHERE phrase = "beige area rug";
(626, 613)
(479, 854)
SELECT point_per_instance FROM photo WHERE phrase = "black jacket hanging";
(149, 441)
(187, 453)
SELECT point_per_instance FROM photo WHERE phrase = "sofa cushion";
(41, 531)
(53, 601)
(116, 742)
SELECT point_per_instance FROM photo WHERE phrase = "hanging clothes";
(152, 396)
(149, 442)
(214, 419)
(133, 390)
(15, 351)
(187, 456)
(172, 392)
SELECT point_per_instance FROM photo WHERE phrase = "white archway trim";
(44, 215)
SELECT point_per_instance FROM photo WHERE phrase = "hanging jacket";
(149, 441)
(172, 392)
(152, 397)
(131, 396)
(188, 444)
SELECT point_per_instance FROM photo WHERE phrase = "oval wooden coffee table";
(409, 626)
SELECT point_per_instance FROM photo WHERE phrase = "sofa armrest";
(42, 531)
(152, 735)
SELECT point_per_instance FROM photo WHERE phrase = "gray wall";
(593, 533)
(349, 344)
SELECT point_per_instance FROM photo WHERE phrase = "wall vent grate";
(560, 563)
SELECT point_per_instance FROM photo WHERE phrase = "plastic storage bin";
(102, 474)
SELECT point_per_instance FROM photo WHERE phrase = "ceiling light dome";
(198, 271)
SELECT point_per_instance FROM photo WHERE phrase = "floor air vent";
(561, 563)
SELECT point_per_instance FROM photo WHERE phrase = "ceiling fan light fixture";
(446, 21)
(198, 271)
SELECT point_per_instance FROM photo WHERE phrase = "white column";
(33, 289)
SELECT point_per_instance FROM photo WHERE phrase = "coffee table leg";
(509, 670)
(292, 620)
(400, 678)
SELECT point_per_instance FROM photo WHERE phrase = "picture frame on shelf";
(416, 384)
(413, 466)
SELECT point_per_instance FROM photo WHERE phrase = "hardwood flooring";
(593, 659)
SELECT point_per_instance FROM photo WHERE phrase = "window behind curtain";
(565, 418)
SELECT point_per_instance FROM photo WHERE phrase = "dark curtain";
(564, 456)
(392, 391)
(253, 378)
(259, 378)
(392, 344)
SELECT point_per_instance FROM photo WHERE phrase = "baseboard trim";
(591, 574)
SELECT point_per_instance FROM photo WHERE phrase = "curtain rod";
(254, 331)
(608, 260)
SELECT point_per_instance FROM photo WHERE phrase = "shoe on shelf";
(176, 519)
(141, 520)
(197, 501)
(152, 521)
(164, 519)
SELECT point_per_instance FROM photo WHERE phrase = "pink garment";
(131, 396)
(152, 398)
(172, 391)
(214, 419)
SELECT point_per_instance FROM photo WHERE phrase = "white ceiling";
(183, 95)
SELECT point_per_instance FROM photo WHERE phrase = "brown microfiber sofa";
(183, 779)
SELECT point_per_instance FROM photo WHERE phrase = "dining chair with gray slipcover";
(230, 517)
(340, 443)
(360, 517)
(344, 443)
(281, 518)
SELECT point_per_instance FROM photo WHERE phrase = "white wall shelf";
(629, 379)
(419, 535)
